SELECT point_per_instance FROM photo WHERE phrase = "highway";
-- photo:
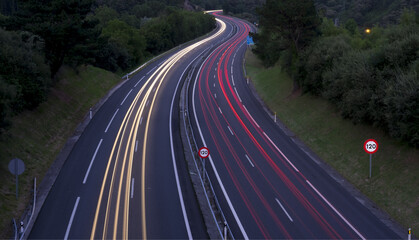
(268, 187)
(126, 177)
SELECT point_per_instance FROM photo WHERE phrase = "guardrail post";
(225, 230)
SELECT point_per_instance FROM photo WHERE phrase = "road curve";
(268, 187)
(126, 177)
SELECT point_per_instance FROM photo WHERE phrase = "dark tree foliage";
(24, 77)
(284, 25)
(371, 79)
(178, 27)
(116, 35)
(61, 23)
(8, 7)
(293, 21)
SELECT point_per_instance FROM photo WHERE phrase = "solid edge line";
(250, 115)
(91, 162)
(336, 211)
(283, 209)
(237, 94)
(270, 140)
(71, 219)
(236, 217)
(109, 124)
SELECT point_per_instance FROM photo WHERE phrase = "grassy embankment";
(395, 173)
(37, 136)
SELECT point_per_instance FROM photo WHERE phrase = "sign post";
(203, 153)
(16, 167)
(370, 147)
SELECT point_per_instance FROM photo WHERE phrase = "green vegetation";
(395, 174)
(41, 102)
(37, 136)
(366, 12)
(38, 38)
(370, 78)
(245, 9)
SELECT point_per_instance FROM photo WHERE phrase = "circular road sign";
(370, 146)
(16, 166)
(203, 152)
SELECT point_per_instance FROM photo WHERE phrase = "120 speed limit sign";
(370, 146)
(203, 152)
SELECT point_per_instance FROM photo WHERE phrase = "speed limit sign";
(203, 152)
(370, 146)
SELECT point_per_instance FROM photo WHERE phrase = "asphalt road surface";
(268, 187)
(126, 176)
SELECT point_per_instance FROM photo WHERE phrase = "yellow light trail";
(128, 132)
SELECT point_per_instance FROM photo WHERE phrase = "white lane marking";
(214, 84)
(126, 97)
(91, 162)
(230, 130)
(136, 146)
(283, 209)
(139, 81)
(270, 140)
(141, 120)
(237, 94)
(230, 204)
(336, 211)
(71, 219)
(231, 69)
(220, 110)
(132, 187)
(214, 76)
(250, 161)
(215, 68)
(232, 80)
(151, 70)
(109, 124)
(182, 203)
(251, 116)
(215, 95)
(148, 101)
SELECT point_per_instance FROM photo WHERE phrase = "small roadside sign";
(16, 167)
(203, 152)
(370, 146)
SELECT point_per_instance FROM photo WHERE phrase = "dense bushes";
(24, 76)
(116, 35)
(177, 27)
(371, 79)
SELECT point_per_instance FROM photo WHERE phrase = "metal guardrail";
(213, 202)
(26, 218)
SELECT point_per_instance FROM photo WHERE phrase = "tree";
(294, 21)
(286, 25)
(61, 23)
